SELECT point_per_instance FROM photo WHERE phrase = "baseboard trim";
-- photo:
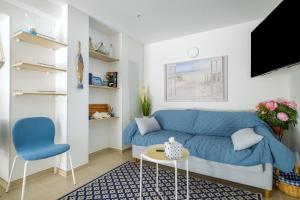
(50, 170)
(4, 183)
(60, 172)
(64, 173)
(110, 149)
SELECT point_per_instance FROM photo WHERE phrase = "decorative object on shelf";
(97, 108)
(97, 81)
(80, 67)
(111, 111)
(90, 79)
(173, 149)
(28, 27)
(101, 115)
(278, 114)
(112, 79)
(31, 30)
(145, 101)
(197, 80)
(2, 57)
(288, 183)
(91, 46)
(193, 52)
(105, 82)
(101, 48)
(110, 50)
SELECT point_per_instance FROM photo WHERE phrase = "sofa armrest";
(129, 132)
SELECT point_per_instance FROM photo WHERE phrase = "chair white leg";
(72, 169)
(11, 172)
(57, 164)
(24, 180)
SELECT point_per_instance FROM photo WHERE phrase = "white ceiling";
(165, 19)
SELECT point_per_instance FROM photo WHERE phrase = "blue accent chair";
(33, 139)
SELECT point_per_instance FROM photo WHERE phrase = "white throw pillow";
(147, 124)
(245, 138)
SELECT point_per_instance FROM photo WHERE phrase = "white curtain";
(2, 58)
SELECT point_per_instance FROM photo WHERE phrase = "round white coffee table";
(156, 154)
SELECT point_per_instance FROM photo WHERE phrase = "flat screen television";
(275, 42)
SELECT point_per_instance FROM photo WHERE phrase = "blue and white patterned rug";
(122, 183)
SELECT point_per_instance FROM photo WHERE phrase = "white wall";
(233, 41)
(243, 92)
(5, 98)
(78, 99)
(132, 53)
(293, 137)
(28, 106)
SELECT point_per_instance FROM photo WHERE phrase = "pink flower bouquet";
(278, 113)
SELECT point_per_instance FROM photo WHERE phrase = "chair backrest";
(32, 132)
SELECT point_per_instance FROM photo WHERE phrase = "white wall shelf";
(39, 39)
(39, 67)
(103, 87)
(100, 56)
(51, 93)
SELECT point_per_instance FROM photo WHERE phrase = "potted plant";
(278, 114)
(145, 101)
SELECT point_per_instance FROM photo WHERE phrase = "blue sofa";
(206, 135)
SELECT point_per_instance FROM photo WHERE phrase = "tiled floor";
(50, 187)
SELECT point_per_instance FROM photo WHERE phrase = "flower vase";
(278, 131)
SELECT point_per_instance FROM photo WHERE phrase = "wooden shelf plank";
(52, 93)
(39, 39)
(103, 87)
(100, 56)
(39, 67)
(104, 119)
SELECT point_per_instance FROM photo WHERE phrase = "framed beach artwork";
(197, 80)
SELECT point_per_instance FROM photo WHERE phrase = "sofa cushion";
(159, 137)
(220, 149)
(147, 124)
(176, 120)
(245, 138)
(223, 123)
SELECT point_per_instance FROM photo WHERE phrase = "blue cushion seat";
(42, 152)
(220, 149)
(34, 139)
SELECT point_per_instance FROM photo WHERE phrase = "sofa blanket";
(207, 135)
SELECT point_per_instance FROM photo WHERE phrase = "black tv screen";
(275, 43)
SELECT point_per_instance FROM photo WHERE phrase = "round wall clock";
(193, 52)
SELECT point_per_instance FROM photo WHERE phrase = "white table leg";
(157, 177)
(141, 176)
(187, 179)
(175, 166)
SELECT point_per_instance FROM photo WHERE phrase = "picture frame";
(198, 80)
